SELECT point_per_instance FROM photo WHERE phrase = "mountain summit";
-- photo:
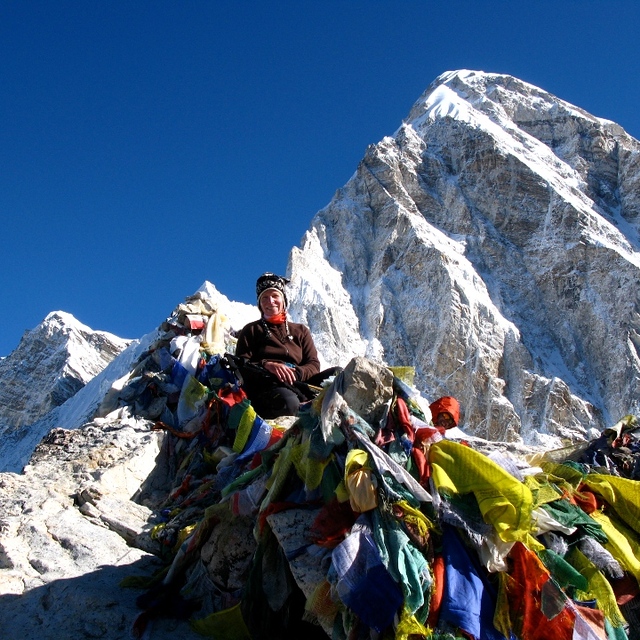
(491, 242)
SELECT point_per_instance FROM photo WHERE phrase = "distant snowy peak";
(51, 363)
(87, 352)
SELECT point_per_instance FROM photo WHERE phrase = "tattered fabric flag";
(504, 501)
(467, 600)
(537, 607)
(362, 581)
(223, 625)
(192, 398)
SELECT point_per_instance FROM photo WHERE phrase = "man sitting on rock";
(280, 360)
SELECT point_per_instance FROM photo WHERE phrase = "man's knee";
(276, 403)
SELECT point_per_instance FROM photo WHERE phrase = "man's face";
(444, 420)
(271, 302)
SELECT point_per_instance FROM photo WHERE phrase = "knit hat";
(446, 404)
(272, 281)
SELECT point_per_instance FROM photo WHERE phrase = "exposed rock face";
(17, 444)
(492, 242)
(69, 533)
(367, 389)
(51, 363)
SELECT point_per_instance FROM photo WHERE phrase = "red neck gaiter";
(280, 318)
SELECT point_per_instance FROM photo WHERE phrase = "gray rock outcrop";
(70, 533)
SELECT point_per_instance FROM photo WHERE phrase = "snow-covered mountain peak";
(498, 95)
(52, 362)
(491, 243)
(64, 321)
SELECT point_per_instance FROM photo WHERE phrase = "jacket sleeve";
(310, 365)
(243, 346)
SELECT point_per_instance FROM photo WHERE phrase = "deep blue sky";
(148, 146)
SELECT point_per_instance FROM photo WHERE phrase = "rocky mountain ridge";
(99, 506)
(76, 498)
(33, 368)
(80, 517)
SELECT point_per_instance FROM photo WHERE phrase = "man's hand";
(281, 371)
